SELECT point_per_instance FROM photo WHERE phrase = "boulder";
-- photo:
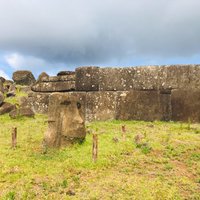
(1, 98)
(6, 108)
(21, 112)
(87, 79)
(43, 77)
(66, 120)
(23, 77)
(186, 105)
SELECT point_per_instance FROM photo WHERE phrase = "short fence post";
(14, 137)
(123, 132)
(95, 147)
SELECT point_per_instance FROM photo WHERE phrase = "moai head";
(66, 120)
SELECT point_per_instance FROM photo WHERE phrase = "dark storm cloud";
(88, 31)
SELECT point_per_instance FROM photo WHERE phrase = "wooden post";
(14, 137)
(123, 132)
(95, 148)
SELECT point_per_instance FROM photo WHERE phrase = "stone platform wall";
(134, 93)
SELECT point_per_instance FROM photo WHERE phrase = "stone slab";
(186, 105)
(53, 86)
(101, 106)
(87, 79)
(143, 105)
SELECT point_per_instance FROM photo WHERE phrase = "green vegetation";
(164, 163)
(19, 94)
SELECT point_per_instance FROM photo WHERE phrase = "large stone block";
(101, 105)
(38, 102)
(146, 78)
(174, 76)
(116, 79)
(143, 105)
(53, 86)
(87, 79)
(194, 77)
(66, 123)
(186, 105)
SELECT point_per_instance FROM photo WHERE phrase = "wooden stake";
(123, 132)
(95, 148)
(14, 137)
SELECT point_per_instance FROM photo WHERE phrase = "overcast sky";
(54, 35)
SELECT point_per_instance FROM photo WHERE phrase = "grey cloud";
(89, 32)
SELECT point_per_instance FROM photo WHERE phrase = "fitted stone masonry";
(169, 92)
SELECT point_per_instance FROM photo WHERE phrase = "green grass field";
(165, 164)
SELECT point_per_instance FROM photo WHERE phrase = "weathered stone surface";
(1, 87)
(146, 78)
(64, 73)
(7, 85)
(23, 77)
(1, 98)
(66, 120)
(6, 108)
(2, 79)
(21, 112)
(43, 77)
(12, 88)
(174, 76)
(38, 102)
(138, 78)
(143, 105)
(61, 78)
(101, 106)
(186, 105)
(54, 86)
(116, 79)
(87, 79)
(193, 77)
(25, 89)
(23, 102)
(8, 82)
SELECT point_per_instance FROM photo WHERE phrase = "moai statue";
(66, 123)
